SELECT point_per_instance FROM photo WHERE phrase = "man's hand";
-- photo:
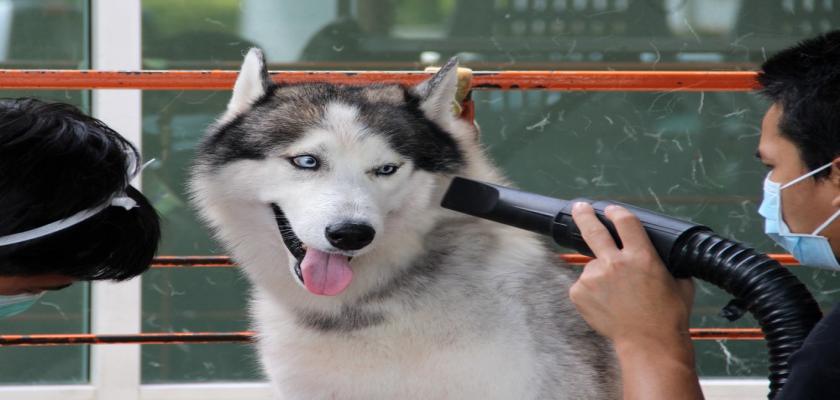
(630, 297)
(627, 292)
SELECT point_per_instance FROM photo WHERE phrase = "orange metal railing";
(248, 337)
(223, 80)
(501, 80)
(224, 261)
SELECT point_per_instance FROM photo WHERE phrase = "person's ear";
(834, 178)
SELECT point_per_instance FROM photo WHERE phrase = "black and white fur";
(441, 305)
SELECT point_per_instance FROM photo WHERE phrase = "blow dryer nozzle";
(524, 210)
(471, 197)
(553, 217)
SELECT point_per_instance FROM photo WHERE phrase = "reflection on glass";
(502, 34)
(686, 154)
(43, 34)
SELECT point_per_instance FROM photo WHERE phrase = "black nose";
(350, 236)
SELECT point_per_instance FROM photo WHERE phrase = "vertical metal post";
(115, 308)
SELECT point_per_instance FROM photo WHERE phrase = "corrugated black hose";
(780, 303)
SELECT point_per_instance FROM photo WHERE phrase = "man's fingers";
(593, 231)
(592, 272)
(629, 228)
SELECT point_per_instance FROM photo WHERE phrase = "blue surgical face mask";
(810, 250)
(14, 305)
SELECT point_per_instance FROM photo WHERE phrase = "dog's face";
(325, 174)
(335, 194)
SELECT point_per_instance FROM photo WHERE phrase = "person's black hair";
(805, 81)
(54, 162)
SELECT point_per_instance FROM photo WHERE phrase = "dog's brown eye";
(305, 162)
(387, 169)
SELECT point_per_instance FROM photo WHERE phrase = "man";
(628, 295)
(67, 211)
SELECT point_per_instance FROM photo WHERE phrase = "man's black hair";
(54, 162)
(805, 81)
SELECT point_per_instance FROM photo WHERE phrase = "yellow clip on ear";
(464, 85)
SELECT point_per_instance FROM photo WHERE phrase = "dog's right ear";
(252, 83)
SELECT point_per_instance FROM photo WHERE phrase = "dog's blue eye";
(387, 169)
(305, 162)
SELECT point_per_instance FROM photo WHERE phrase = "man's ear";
(252, 83)
(437, 94)
(834, 178)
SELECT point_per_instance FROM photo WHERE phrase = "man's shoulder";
(815, 367)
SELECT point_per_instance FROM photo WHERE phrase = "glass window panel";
(44, 34)
(47, 34)
(196, 300)
(685, 154)
(65, 311)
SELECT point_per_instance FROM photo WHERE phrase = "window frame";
(115, 38)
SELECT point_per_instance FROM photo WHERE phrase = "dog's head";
(327, 176)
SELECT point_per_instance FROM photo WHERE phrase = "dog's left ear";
(437, 94)
(252, 83)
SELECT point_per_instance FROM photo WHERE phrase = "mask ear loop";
(806, 176)
(826, 223)
(800, 179)
(53, 227)
(121, 200)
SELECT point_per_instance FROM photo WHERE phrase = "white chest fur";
(395, 361)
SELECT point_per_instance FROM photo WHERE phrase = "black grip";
(664, 232)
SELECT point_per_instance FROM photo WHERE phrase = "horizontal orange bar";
(225, 261)
(726, 334)
(140, 338)
(192, 261)
(248, 336)
(784, 259)
(501, 80)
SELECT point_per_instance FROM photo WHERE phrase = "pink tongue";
(324, 273)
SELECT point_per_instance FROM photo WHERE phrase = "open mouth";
(292, 242)
(320, 272)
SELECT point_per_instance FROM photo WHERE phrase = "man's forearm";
(654, 369)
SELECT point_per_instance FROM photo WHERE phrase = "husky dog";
(363, 286)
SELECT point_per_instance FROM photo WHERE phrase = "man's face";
(808, 203)
(14, 285)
